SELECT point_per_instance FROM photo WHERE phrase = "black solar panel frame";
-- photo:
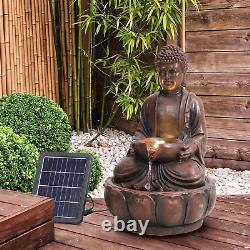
(84, 187)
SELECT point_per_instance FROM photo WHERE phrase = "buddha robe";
(132, 171)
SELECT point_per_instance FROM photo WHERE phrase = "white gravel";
(113, 145)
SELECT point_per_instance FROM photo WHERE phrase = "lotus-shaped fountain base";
(169, 213)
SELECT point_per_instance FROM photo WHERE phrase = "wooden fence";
(218, 48)
(27, 62)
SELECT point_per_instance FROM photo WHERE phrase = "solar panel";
(64, 177)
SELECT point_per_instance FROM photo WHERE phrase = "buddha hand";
(167, 152)
(188, 150)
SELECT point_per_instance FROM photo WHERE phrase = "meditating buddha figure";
(168, 148)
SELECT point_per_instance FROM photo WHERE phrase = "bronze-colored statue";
(172, 124)
(162, 178)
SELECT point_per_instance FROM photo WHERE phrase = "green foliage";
(139, 25)
(42, 121)
(18, 160)
(96, 169)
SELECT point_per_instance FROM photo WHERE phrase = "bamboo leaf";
(105, 26)
(165, 22)
(158, 4)
(150, 14)
(144, 42)
(98, 28)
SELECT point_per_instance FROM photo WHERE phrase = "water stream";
(148, 185)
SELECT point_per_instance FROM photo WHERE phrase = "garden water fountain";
(162, 178)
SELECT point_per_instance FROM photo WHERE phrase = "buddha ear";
(184, 75)
(183, 84)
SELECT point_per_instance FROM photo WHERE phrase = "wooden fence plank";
(223, 62)
(228, 149)
(222, 106)
(228, 128)
(221, 19)
(220, 40)
(219, 84)
(217, 4)
(223, 163)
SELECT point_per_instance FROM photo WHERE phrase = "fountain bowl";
(172, 147)
(169, 213)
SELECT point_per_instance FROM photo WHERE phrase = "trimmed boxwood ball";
(96, 169)
(42, 121)
(18, 161)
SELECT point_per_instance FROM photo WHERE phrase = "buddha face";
(171, 75)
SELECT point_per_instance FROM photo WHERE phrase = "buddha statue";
(168, 149)
(162, 178)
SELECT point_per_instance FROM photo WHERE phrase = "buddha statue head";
(171, 65)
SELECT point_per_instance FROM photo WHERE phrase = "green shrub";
(18, 161)
(96, 169)
(41, 120)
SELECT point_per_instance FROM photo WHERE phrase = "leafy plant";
(41, 120)
(96, 169)
(18, 159)
(139, 25)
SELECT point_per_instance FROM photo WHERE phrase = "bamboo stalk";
(15, 36)
(21, 47)
(52, 59)
(31, 50)
(35, 52)
(17, 52)
(111, 117)
(67, 30)
(64, 58)
(76, 111)
(70, 108)
(25, 46)
(38, 45)
(7, 45)
(12, 44)
(50, 85)
(79, 70)
(44, 49)
(3, 52)
(28, 63)
(85, 68)
(43, 84)
(10, 41)
(56, 33)
(89, 73)
(55, 59)
(1, 90)
(183, 18)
